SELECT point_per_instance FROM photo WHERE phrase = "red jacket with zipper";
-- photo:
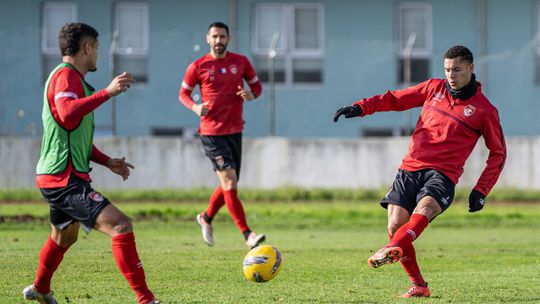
(447, 130)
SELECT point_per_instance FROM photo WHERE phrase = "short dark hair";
(459, 51)
(219, 25)
(72, 34)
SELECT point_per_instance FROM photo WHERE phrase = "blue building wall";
(359, 61)
(510, 65)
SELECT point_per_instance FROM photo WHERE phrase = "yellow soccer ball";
(262, 263)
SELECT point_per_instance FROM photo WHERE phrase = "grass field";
(488, 257)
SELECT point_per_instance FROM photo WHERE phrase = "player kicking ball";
(220, 75)
(64, 166)
(455, 113)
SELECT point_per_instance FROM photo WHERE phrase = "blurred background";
(312, 56)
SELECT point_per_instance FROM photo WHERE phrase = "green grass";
(286, 194)
(488, 257)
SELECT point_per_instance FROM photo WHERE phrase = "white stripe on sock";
(409, 231)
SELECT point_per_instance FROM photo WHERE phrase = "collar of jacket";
(466, 92)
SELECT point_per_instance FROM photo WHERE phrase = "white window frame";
(289, 52)
(416, 52)
(254, 45)
(146, 29)
(319, 51)
(45, 24)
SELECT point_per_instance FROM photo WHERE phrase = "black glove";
(476, 201)
(348, 111)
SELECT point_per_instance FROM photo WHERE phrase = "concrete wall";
(268, 163)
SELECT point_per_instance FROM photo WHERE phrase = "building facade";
(325, 54)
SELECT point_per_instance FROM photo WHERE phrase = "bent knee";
(393, 227)
(228, 179)
(66, 241)
(123, 226)
(429, 208)
(229, 183)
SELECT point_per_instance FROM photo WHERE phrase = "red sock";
(216, 202)
(126, 258)
(411, 266)
(49, 258)
(407, 233)
(235, 208)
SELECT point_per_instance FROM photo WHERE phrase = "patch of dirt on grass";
(20, 218)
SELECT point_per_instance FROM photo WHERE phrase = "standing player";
(454, 115)
(64, 166)
(220, 76)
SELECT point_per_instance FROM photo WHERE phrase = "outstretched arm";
(71, 107)
(399, 100)
(348, 111)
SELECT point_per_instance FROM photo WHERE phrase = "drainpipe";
(112, 63)
(233, 44)
(481, 65)
(407, 54)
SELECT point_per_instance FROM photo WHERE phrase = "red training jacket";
(447, 130)
(219, 79)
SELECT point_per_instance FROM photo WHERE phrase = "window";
(378, 132)
(299, 49)
(414, 27)
(130, 40)
(54, 16)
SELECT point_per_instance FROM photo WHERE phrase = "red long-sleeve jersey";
(447, 130)
(219, 79)
(68, 105)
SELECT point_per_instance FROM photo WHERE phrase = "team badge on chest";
(469, 110)
(233, 68)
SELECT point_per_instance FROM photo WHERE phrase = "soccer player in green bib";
(64, 166)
